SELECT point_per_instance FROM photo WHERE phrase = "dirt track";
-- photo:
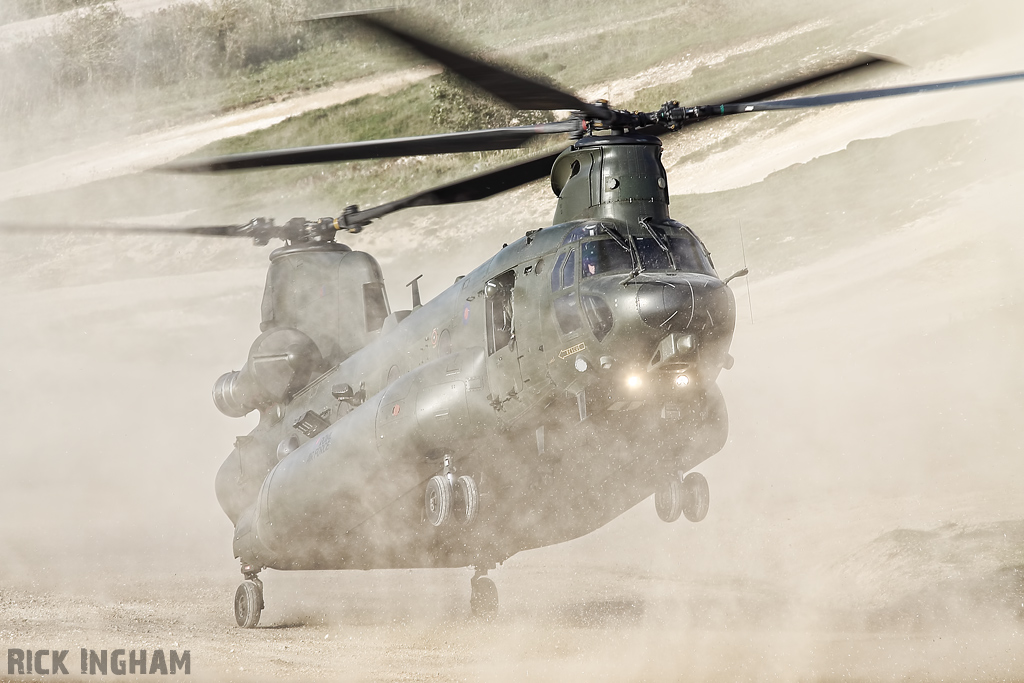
(865, 519)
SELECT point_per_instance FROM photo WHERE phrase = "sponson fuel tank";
(347, 474)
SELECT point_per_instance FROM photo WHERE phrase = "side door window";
(500, 314)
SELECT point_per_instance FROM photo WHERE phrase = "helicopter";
(557, 385)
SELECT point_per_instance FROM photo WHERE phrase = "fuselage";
(565, 375)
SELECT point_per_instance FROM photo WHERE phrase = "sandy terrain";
(866, 519)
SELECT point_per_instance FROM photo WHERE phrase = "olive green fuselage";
(565, 375)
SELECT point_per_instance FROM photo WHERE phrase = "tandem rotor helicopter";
(557, 385)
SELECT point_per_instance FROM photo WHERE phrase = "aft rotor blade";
(515, 90)
(30, 228)
(812, 101)
(470, 189)
(443, 143)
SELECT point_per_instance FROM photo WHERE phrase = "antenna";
(743, 251)
(415, 284)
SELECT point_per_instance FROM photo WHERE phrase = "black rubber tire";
(696, 497)
(483, 601)
(437, 500)
(668, 499)
(248, 604)
(467, 500)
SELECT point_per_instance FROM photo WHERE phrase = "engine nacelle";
(281, 361)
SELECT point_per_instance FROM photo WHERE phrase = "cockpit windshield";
(685, 253)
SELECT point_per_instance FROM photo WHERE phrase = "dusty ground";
(866, 521)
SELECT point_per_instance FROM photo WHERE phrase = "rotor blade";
(854, 96)
(857, 62)
(470, 189)
(444, 143)
(28, 228)
(517, 91)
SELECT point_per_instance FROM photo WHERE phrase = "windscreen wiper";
(645, 221)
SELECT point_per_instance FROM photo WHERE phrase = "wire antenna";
(743, 252)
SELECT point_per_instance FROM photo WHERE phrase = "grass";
(101, 74)
(20, 10)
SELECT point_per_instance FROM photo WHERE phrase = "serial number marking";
(322, 444)
(565, 353)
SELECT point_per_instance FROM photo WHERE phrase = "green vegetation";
(19, 10)
(100, 73)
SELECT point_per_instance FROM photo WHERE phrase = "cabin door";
(503, 373)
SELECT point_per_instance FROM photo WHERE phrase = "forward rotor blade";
(858, 62)
(470, 189)
(29, 228)
(813, 101)
(517, 91)
(444, 143)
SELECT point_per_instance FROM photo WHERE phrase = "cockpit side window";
(556, 273)
(569, 270)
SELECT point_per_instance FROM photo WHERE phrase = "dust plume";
(866, 516)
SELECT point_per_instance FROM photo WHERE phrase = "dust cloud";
(866, 520)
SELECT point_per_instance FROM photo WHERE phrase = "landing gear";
(467, 500)
(668, 499)
(447, 496)
(249, 600)
(483, 601)
(437, 500)
(696, 497)
(689, 496)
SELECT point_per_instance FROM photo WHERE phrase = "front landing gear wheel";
(483, 602)
(668, 499)
(467, 500)
(696, 496)
(248, 603)
(437, 500)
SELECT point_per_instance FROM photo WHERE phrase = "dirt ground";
(866, 523)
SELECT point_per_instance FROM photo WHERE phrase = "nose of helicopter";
(684, 303)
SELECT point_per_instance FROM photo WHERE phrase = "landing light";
(682, 380)
(634, 381)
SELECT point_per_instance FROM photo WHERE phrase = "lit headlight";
(634, 381)
(682, 381)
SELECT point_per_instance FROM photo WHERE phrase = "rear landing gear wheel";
(249, 603)
(437, 500)
(467, 500)
(483, 602)
(696, 496)
(668, 499)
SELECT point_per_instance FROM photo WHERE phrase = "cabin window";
(375, 306)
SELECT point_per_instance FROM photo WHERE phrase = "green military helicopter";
(560, 383)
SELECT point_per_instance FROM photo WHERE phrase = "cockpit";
(667, 246)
